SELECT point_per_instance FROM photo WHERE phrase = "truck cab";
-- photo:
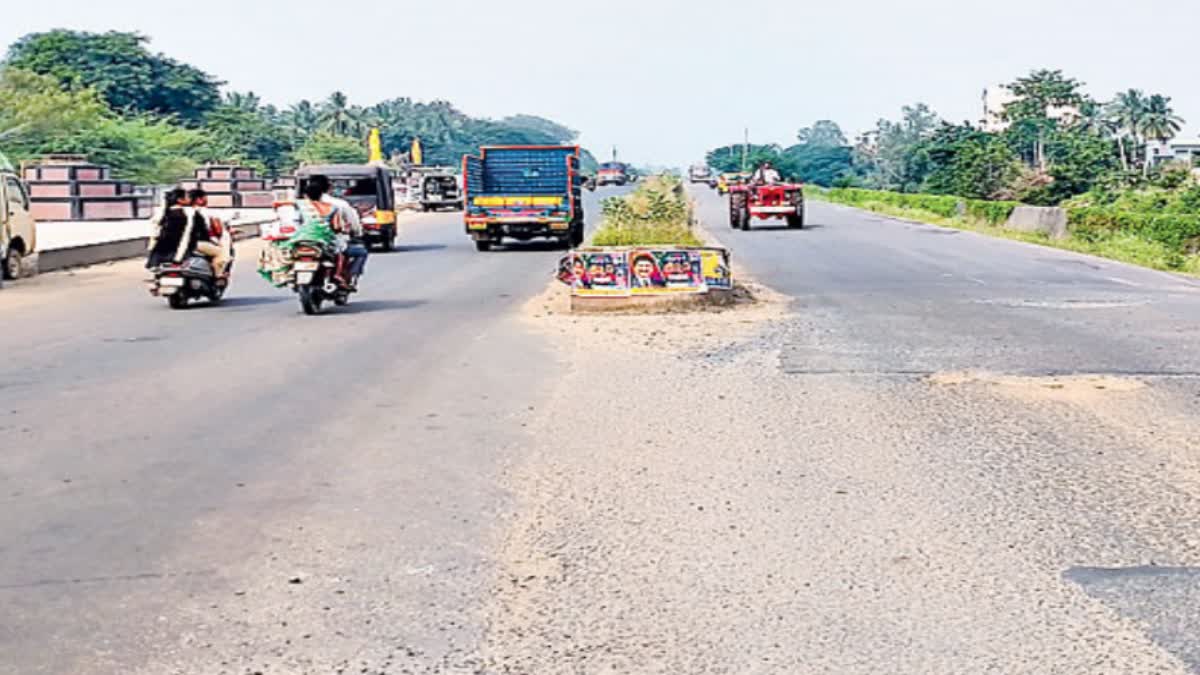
(523, 192)
(614, 173)
(18, 231)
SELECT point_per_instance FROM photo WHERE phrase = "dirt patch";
(1069, 388)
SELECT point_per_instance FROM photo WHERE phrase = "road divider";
(124, 249)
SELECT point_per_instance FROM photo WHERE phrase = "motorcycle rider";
(211, 242)
(175, 237)
(767, 175)
(343, 219)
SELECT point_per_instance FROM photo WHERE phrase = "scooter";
(194, 278)
(315, 277)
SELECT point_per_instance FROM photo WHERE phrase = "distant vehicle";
(727, 180)
(439, 190)
(765, 202)
(369, 190)
(523, 192)
(18, 230)
(614, 173)
(699, 173)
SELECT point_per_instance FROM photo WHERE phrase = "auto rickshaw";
(368, 188)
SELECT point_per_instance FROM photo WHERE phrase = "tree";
(970, 163)
(328, 148)
(893, 153)
(1037, 95)
(824, 133)
(248, 102)
(241, 136)
(121, 69)
(339, 117)
(728, 159)
(37, 116)
(303, 117)
(1127, 112)
(1159, 121)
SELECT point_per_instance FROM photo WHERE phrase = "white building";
(1174, 151)
(998, 97)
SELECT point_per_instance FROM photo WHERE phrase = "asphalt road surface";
(926, 452)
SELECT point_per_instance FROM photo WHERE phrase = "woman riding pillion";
(344, 221)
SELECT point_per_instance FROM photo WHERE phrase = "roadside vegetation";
(656, 213)
(1052, 145)
(153, 119)
(1163, 241)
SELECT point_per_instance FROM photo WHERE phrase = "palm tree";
(303, 117)
(249, 101)
(1160, 121)
(339, 117)
(1127, 111)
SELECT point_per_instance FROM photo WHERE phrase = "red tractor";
(783, 200)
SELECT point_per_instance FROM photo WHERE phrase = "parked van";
(18, 232)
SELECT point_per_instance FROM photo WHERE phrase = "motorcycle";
(194, 278)
(316, 277)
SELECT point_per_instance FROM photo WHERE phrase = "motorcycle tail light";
(306, 251)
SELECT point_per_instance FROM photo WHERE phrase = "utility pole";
(746, 150)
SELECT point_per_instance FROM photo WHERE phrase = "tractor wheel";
(737, 205)
(796, 222)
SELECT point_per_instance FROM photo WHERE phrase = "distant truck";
(614, 173)
(523, 192)
(700, 173)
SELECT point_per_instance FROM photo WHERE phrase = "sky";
(660, 80)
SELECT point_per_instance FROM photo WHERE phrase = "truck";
(523, 192)
(437, 188)
(614, 173)
(700, 173)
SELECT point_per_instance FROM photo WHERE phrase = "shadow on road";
(420, 248)
(370, 306)
(253, 301)
(531, 247)
(784, 228)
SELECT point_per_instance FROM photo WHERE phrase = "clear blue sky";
(661, 79)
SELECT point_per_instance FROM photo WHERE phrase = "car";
(18, 230)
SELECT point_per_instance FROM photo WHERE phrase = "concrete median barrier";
(1050, 221)
(112, 251)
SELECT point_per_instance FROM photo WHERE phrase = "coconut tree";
(1160, 121)
(1127, 111)
(339, 117)
(303, 117)
(249, 101)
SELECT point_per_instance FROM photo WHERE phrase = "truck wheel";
(483, 246)
(12, 265)
(577, 236)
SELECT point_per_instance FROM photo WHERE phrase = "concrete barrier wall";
(111, 251)
(1051, 221)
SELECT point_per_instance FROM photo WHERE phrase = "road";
(925, 451)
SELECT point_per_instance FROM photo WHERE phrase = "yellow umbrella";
(418, 153)
(376, 147)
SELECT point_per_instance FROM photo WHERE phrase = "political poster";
(716, 269)
(600, 274)
(665, 272)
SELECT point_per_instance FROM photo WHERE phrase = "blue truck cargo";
(523, 192)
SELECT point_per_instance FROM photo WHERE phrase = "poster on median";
(716, 269)
(665, 272)
(600, 274)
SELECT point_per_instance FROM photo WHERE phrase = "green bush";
(992, 213)
(657, 212)
(1179, 232)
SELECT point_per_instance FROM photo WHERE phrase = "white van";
(18, 232)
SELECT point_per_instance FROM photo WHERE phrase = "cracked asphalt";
(923, 451)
